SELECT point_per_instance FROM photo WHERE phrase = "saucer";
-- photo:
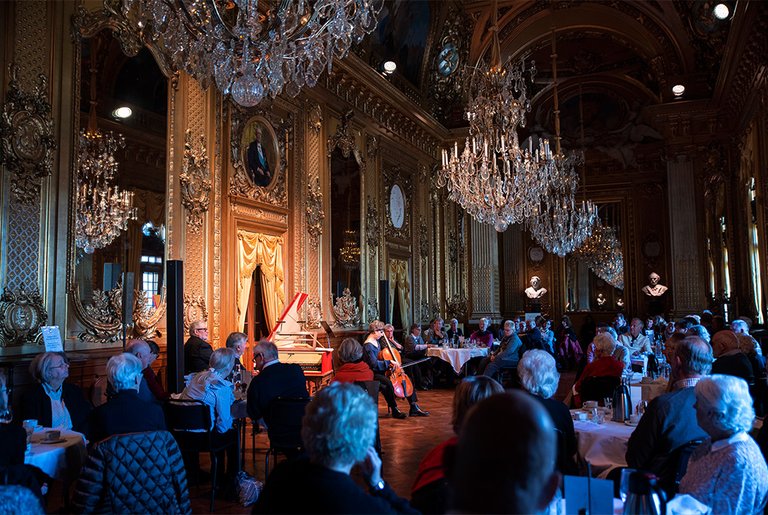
(630, 424)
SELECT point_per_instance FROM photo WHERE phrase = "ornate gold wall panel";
(315, 210)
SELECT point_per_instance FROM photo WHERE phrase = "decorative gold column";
(484, 266)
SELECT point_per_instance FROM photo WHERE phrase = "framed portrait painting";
(259, 151)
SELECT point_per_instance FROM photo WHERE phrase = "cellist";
(371, 348)
(414, 372)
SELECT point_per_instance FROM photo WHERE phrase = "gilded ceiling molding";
(315, 212)
(194, 181)
(21, 315)
(194, 309)
(26, 137)
(102, 318)
(346, 310)
(146, 316)
(449, 62)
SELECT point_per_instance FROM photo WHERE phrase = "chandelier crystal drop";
(103, 209)
(248, 51)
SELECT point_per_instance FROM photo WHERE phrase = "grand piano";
(302, 347)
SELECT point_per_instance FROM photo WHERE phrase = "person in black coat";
(274, 380)
(338, 432)
(52, 402)
(126, 412)
(197, 350)
(13, 436)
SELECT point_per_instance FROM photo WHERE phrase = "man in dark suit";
(197, 350)
(274, 380)
(126, 412)
(669, 421)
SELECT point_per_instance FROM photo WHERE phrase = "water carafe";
(622, 401)
(645, 497)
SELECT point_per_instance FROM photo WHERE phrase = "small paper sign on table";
(52, 338)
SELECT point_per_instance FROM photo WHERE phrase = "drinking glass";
(624, 487)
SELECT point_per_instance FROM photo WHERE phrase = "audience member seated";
(729, 357)
(506, 356)
(539, 377)
(669, 422)
(134, 473)
(274, 380)
(727, 472)
(454, 331)
(197, 350)
(353, 367)
(518, 476)
(569, 352)
(415, 349)
(338, 430)
(604, 365)
(238, 342)
(482, 337)
(149, 374)
(52, 402)
(19, 500)
(371, 349)
(547, 334)
(435, 334)
(635, 340)
(699, 331)
(212, 387)
(621, 353)
(125, 412)
(13, 436)
(143, 352)
(431, 489)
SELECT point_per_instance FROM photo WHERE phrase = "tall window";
(754, 253)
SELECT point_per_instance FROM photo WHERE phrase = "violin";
(400, 380)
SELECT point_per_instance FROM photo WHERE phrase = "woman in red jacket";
(353, 367)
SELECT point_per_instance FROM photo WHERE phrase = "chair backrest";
(598, 388)
(285, 416)
(99, 391)
(187, 415)
(372, 388)
(681, 455)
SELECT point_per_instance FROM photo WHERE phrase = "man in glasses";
(197, 350)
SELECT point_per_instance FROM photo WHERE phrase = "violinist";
(414, 372)
(371, 348)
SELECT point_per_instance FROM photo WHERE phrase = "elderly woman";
(430, 489)
(698, 330)
(435, 334)
(352, 368)
(727, 472)
(539, 377)
(212, 387)
(604, 365)
(52, 402)
(338, 430)
(483, 337)
(506, 356)
(13, 436)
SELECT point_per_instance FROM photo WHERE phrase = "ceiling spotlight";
(388, 67)
(678, 90)
(122, 112)
(721, 11)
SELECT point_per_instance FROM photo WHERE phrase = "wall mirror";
(130, 98)
(345, 229)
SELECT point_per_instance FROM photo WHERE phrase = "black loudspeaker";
(127, 304)
(384, 301)
(175, 325)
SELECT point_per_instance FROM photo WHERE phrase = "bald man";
(515, 476)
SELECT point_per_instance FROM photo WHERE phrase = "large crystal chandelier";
(103, 209)
(493, 178)
(248, 51)
(561, 225)
(603, 255)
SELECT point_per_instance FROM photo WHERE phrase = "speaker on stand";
(175, 324)
(384, 301)
(127, 305)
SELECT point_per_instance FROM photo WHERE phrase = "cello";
(400, 381)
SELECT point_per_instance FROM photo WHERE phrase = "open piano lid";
(289, 331)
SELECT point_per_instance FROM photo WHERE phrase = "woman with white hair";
(700, 331)
(539, 377)
(604, 365)
(338, 431)
(52, 402)
(727, 472)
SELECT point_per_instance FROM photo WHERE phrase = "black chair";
(284, 429)
(190, 424)
(372, 388)
(680, 457)
(508, 377)
(598, 388)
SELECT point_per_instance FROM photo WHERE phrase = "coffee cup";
(634, 418)
(52, 435)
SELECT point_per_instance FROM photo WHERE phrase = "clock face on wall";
(396, 206)
(448, 59)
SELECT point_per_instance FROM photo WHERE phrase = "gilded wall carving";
(146, 316)
(314, 211)
(313, 156)
(194, 309)
(21, 315)
(346, 310)
(195, 185)
(372, 226)
(102, 317)
(217, 200)
(343, 139)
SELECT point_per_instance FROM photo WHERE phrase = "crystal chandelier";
(603, 255)
(103, 209)
(349, 253)
(493, 179)
(250, 52)
(561, 225)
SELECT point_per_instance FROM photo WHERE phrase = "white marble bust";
(654, 289)
(535, 291)
(601, 299)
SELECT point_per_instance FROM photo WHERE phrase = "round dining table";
(604, 445)
(457, 357)
(61, 459)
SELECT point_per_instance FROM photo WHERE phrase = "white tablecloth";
(59, 460)
(456, 357)
(603, 445)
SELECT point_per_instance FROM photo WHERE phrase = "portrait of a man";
(259, 151)
(258, 165)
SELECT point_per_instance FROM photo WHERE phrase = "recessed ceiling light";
(721, 11)
(389, 67)
(122, 112)
(678, 90)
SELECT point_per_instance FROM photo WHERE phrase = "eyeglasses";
(65, 364)
(201, 329)
(257, 355)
